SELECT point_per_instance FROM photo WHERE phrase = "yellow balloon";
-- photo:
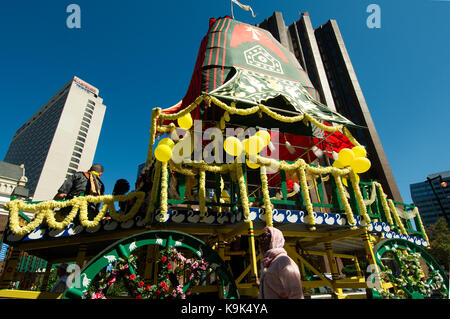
(252, 165)
(185, 121)
(360, 165)
(346, 156)
(233, 146)
(344, 180)
(264, 135)
(359, 151)
(163, 153)
(167, 141)
(337, 163)
(253, 145)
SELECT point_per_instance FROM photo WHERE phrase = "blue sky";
(141, 54)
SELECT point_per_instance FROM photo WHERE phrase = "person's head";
(271, 238)
(97, 168)
(121, 187)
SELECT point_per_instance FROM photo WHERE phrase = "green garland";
(412, 278)
(175, 277)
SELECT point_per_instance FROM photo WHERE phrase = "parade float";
(250, 145)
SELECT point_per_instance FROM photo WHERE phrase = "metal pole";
(232, 15)
(437, 197)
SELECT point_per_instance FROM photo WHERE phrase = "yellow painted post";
(221, 253)
(251, 239)
(368, 246)
(357, 267)
(10, 269)
(334, 269)
(221, 247)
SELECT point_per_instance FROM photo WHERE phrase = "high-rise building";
(432, 196)
(323, 55)
(59, 139)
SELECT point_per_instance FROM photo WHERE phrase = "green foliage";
(52, 279)
(438, 235)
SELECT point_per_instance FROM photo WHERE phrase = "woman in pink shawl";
(280, 277)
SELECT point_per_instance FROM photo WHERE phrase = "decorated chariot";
(250, 145)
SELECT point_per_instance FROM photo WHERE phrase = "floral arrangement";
(412, 278)
(175, 277)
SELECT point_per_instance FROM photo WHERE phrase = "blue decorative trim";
(186, 216)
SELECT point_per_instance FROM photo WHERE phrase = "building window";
(89, 116)
(90, 107)
(76, 154)
(81, 139)
(89, 111)
(73, 165)
(86, 119)
(82, 134)
(83, 129)
(91, 102)
(84, 123)
(79, 144)
(75, 160)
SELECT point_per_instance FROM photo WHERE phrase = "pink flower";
(195, 265)
(97, 295)
(112, 281)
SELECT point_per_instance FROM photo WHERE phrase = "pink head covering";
(275, 248)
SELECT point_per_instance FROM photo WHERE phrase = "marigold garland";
(348, 209)
(359, 198)
(45, 211)
(202, 194)
(164, 188)
(266, 196)
(397, 218)
(157, 113)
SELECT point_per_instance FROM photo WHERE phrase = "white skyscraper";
(59, 139)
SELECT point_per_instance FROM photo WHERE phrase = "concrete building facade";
(323, 55)
(59, 139)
